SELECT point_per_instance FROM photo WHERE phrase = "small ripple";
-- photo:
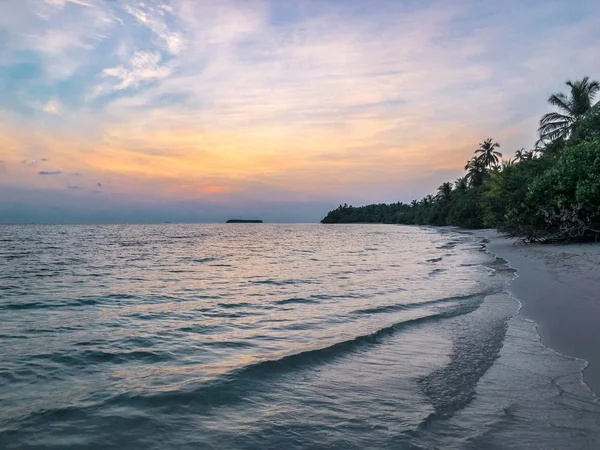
(436, 272)
(434, 260)
(90, 357)
(301, 300)
(203, 260)
(235, 305)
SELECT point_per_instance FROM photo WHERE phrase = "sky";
(204, 110)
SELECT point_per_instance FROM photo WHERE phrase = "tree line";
(548, 193)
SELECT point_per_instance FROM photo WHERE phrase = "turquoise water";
(273, 336)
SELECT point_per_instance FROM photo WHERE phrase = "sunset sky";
(199, 110)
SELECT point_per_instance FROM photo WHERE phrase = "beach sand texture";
(559, 288)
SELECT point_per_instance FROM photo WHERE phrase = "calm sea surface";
(273, 336)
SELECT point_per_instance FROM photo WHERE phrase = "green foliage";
(565, 198)
(505, 191)
(380, 213)
(572, 109)
(466, 209)
(547, 194)
(488, 154)
(589, 127)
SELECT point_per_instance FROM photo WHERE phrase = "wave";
(452, 387)
(405, 306)
(235, 385)
(448, 245)
(476, 346)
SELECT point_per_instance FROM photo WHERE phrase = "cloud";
(32, 163)
(74, 187)
(153, 17)
(55, 172)
(52, 106)
(144, 66)
(57, 40)
(270, 99)
(62, 3)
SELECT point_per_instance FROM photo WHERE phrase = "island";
(244, 221)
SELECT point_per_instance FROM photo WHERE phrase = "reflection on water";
(254, 336)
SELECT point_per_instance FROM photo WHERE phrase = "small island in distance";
(244, 221)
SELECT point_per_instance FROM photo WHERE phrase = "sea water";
(274, 336)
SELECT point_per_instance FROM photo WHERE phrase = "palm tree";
(461, 184)
(427, 200)
(475, 171)
(572, 108)
(519, 155)
(505, 165)
(444, 191)
(488, 154)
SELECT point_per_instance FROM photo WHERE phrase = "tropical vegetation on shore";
(547, 194)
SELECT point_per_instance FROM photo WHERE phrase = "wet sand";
(559, 288)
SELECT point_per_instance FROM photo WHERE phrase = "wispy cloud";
(144, 66)
(277, 100)
(62, 3)
(153, 15)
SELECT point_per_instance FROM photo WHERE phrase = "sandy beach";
(559, 288)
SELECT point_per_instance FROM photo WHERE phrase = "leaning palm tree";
(571, 107)
(476, 170)
(488, 154)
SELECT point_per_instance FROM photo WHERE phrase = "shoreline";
(559, 289)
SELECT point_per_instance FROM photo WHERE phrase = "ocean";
(260, 336)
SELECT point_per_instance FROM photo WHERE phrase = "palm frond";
(561, 101)
(554, 116)
(593, 88)
(555, 125)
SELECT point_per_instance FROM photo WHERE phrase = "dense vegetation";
(546, 194)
